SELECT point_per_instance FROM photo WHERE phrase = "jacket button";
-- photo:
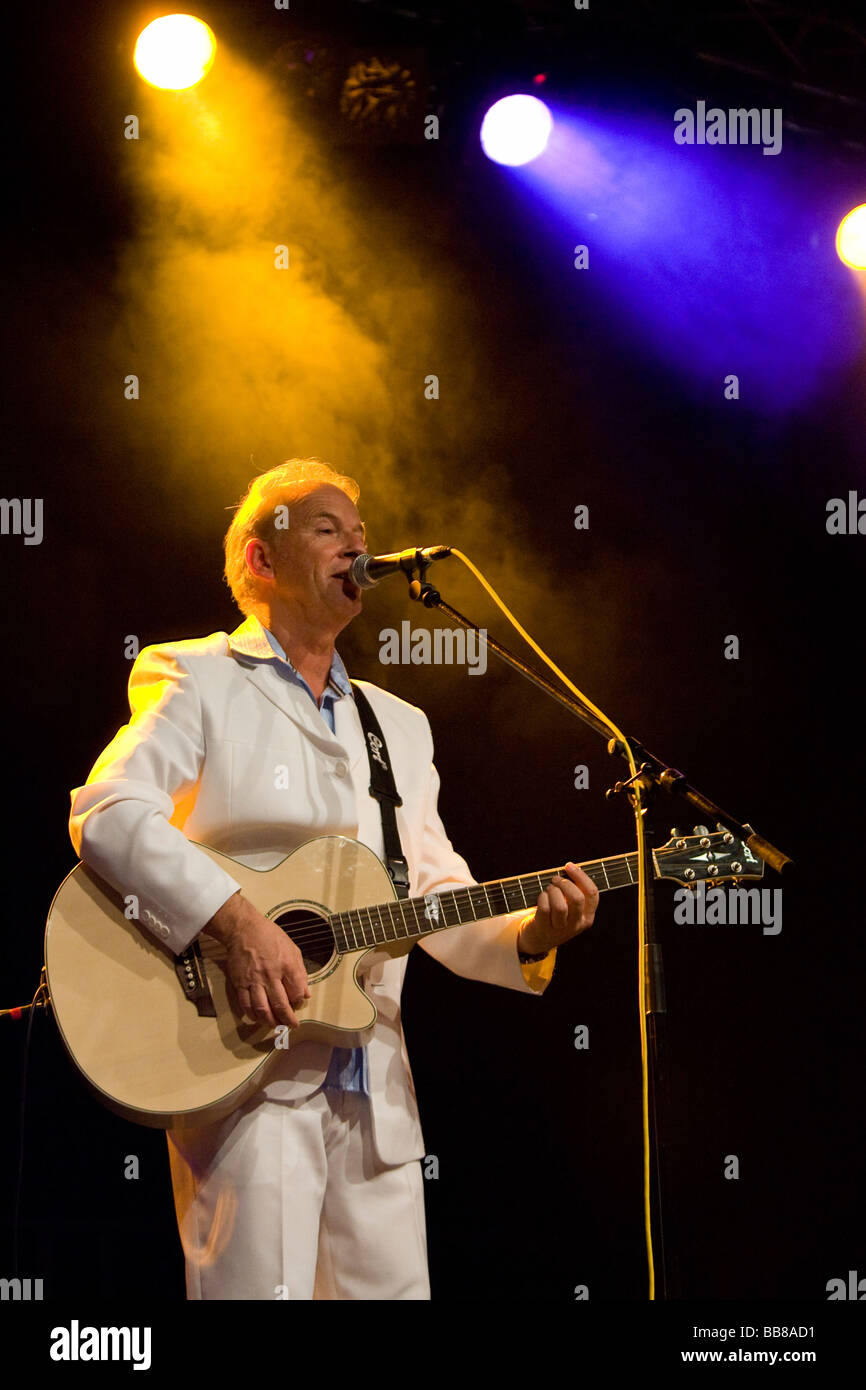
(341, 768)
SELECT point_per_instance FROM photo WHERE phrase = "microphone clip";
(419, 590)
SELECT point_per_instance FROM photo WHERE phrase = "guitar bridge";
(190, 971)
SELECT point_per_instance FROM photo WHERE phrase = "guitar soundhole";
(311, 934)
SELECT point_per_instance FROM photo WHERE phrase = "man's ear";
(258, 559)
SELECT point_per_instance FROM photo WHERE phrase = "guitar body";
(146, 1049)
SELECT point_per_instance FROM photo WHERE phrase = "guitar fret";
(395, 917)
(499, 901)
(377, 927)
(413, 902)
(411, 918)
(347, 924)
(404, 925)
(386, 921)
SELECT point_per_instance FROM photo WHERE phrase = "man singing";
(313, 1187)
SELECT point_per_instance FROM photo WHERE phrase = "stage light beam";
(516, 130)
(175, 52)
(851, 238)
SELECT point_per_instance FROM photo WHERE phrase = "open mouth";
(349, 589)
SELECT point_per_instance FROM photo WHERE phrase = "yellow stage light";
(851, 238)
(175, 52)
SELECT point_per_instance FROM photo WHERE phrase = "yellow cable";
(642, 895)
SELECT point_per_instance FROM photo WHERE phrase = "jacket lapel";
(253, 655)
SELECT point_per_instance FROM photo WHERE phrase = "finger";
(244, 1003)
(558, 906)
(571, 900)
(294, 974)
(584, 881)
(259, 1009)
(551, 904)
(580, 913)
(279, 1003)
(590, 897)
(293, 965)
(296, 986)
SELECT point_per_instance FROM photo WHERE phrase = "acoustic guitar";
(156, 1037)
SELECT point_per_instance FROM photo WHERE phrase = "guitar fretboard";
(410, 918)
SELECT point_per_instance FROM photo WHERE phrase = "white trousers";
(290, 1200)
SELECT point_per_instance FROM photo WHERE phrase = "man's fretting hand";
(263, 964)
(566, 908)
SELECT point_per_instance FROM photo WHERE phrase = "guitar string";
(312, 932)
(316, 932)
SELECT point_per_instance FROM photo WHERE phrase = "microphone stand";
(642, 790)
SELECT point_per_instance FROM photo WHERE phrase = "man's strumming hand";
(263, 964)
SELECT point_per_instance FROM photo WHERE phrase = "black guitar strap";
(383, 788)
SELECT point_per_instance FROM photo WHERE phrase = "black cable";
(19, 1180)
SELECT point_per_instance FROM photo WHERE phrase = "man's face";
(313, 555)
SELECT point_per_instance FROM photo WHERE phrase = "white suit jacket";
(209, 723)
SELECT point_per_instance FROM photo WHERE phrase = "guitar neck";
(407, 919)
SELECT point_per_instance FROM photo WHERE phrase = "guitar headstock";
(716, 857)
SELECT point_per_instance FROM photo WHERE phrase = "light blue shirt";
(348, 1069)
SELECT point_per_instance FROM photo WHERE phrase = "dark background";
(707, 518)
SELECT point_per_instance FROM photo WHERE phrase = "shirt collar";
(253, 639)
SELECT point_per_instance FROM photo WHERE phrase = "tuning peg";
(702, 830)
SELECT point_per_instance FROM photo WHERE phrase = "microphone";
(366, 570)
